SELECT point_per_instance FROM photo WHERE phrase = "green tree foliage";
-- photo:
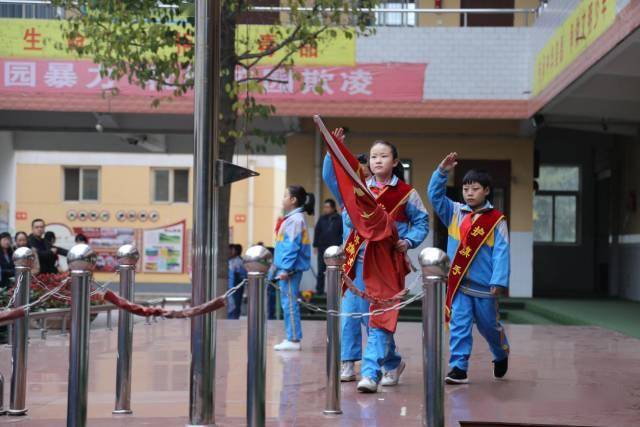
(150, 42)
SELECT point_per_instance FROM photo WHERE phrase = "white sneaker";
(391, 378)
(287, 345)
(348, 372)
(367, 385)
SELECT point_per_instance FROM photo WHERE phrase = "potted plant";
(44, 283)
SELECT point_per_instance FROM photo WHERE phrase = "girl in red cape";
(379, 237)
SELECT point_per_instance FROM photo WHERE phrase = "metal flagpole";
(205, 210)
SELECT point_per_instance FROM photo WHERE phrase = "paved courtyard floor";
(559, 375)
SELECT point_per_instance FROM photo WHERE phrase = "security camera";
(99, 127)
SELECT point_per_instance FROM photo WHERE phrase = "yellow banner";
(32, 38)
(339, 50)
(39, 38)
(587, 22)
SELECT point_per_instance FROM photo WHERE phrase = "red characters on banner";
(32, 39)
(309, 51)
(75, 42)
(266, 42)
(184, 43)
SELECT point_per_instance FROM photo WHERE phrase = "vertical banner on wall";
(164, 249)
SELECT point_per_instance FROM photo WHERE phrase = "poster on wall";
(105, 243)
(164, 249)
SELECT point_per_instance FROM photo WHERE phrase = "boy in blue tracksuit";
(487, 276)
(292, 258)
(412, 230)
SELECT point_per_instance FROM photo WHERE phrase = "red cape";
(384, 268)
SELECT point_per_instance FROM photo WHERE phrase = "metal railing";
(30, 10)
(383, 16)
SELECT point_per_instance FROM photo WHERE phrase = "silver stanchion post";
(82, 260)
(435, 268)
(257, 261)
(127, 259)
(23, 260)
(334, 259)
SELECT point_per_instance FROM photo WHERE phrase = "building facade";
(546, 100)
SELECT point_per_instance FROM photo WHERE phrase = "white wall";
(521, 280)
(462, 63)
(8, 175)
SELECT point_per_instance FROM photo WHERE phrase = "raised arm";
(329, 177)
(437, 190)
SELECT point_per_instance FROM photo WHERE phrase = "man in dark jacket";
(47, 255)
(7, 268)
(328, 232)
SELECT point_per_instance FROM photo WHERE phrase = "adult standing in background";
(7, 269)
(237, 273)
(7, 273)
(328, 232)
(50, 237)
(22, 241)
(47, 255)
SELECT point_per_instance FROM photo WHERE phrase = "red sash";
(391, 198)
(473, 234)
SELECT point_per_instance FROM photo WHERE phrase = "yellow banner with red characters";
(587, 22)
(339, 50)
(43, 39)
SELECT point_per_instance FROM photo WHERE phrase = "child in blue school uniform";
(382, 364)
(237, 273)
(478, 246)
(292, 258)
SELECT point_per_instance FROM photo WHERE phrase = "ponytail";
(398, 170)
(310, 204)
(304, 200)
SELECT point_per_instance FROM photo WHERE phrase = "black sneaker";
(456, 376)
(500, 367)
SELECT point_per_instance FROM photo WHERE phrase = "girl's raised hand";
(338, 133)
(449, 162)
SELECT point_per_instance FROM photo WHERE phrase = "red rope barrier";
(140, 310)
(13, 314)
(370, 299)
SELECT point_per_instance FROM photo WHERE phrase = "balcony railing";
(392, 13)
(30, 10)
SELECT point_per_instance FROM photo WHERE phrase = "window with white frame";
(555, 205)
(81, 184)
(396, 19)
(170, 185)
